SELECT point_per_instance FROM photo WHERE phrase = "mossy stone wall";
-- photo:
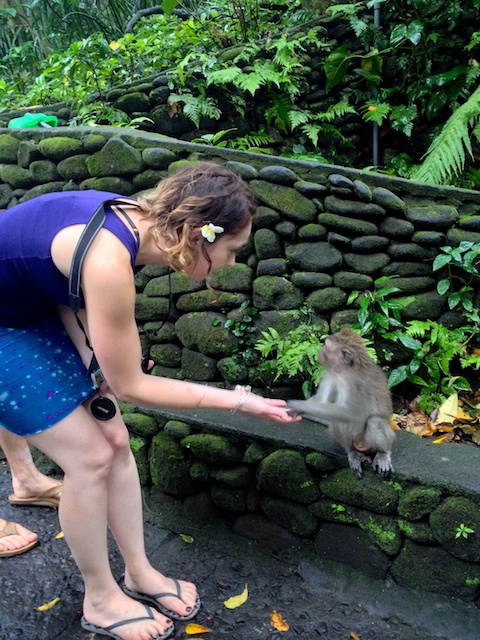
(321, 232)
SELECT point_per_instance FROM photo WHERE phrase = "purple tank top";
(30, 283)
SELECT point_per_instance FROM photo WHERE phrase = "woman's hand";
(267, 408)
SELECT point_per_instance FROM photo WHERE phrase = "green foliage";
(378, 314)
(294, 354)
(446, 155)
(463, 531)
(432, 361)
(462, 273)
(263, 76)
(196, 107)
(243, 330)
(432, 80)
(315, 124)
(98, 113)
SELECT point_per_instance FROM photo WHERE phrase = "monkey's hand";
(296, 407)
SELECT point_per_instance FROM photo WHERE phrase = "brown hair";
(197, 195)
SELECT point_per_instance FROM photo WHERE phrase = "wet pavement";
(317, 601)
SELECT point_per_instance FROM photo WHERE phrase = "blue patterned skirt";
(42, 378)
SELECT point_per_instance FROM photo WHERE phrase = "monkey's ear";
(348, 357)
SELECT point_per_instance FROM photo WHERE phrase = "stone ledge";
(454, 468)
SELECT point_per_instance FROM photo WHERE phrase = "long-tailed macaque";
(354, 400)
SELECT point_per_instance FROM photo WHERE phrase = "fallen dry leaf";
(463, 416)
(474, 432)
(448, 437)
(59, 535)
(394, 423)
(417, 423)
(441, 428)
(237, 601)
(48, 605)
(279, 621)
(192, 628)
(448, 410)
(354, 636)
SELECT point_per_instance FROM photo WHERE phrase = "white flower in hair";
(209, 230)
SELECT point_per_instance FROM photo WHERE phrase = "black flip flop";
(151, 600)
(107, 631)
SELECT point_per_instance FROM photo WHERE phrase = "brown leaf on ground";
(394, 423)
(279, 621)
(448, 437)
(417, 423)
(473, 432)
(463, 416)
(192, 629)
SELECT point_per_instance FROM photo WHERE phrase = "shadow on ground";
(316, 600)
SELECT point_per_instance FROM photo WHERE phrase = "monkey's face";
(335, 356)
(326, 355)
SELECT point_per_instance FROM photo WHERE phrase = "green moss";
(384, 533)
(370, 493)
(59, 147)
(170, 466)
(418, 502)
(212, 448)
(284, 473)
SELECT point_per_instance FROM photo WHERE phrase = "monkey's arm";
(323, 412)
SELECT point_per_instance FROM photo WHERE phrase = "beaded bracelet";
(245, 393)
(201, 397)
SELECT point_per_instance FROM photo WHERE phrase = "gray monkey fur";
(354, 401)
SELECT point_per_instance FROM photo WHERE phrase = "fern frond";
(337, 110)
(247, 53)
(312, 131)
(278, 113)
(224, 76)
(251, 82)
(269, 72)
(296, 117)
(446, 155)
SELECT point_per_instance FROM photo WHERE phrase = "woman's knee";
(118, 437)
(98, 460)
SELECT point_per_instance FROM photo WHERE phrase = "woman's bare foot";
(33, 484)
(15, 539)
(117, 607)
(153, 582)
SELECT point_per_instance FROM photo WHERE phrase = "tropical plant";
(463, 531)
(446, 156)
(295, 354)
(462, 273)
(437, 350)
(432, 83)
(379, 315)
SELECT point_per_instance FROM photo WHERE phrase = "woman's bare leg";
(124, 486)
(27, 480)
(79, 447)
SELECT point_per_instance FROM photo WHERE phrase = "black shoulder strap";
(89, 234)
(92, 228)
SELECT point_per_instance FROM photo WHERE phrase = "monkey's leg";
(379, 435)
(382, 463)
(355, 459)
